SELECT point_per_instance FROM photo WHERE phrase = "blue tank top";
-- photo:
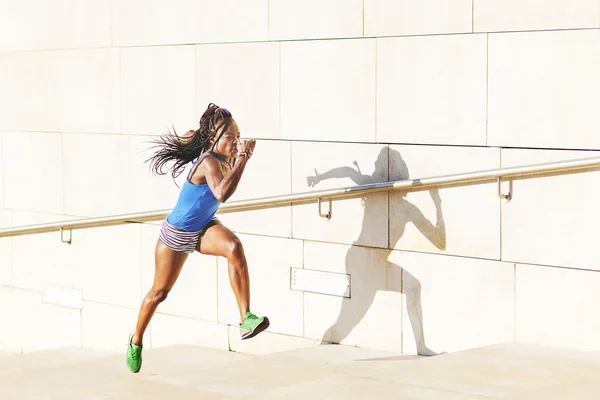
(196, 206)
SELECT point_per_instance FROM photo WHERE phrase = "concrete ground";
(504, 371)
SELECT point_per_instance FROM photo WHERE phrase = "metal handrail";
(476, 177)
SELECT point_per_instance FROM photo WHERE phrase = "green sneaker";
(253, 325)
(134, 356)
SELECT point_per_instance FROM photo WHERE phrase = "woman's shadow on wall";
(389, 163)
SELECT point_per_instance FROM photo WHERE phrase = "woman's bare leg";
(218, 240)
(168, 264)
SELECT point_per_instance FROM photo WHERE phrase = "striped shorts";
(178, 240)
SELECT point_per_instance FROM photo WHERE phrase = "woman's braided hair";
(183, 150)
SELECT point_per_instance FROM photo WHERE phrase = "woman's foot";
(253, 325)
(134, 356)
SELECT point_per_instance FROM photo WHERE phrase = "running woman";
(218, 158)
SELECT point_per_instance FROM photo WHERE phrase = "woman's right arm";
(223, 186)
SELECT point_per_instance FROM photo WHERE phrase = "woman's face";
(228, 144)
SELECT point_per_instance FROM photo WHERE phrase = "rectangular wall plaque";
(322, 282)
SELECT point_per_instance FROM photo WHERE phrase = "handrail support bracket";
(328, 214)
(62, 236)
(508, 196)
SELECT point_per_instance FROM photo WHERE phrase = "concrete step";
(262, 374)
(498, 371)
(15, 365)
(72, 373)
(505, 371)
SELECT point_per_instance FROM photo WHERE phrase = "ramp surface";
(504, 371)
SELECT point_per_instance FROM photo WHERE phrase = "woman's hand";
(246, 147)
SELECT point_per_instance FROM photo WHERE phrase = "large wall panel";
(432, 90)
(543, 89)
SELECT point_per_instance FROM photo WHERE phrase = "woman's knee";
(235, 250)
(158, 295)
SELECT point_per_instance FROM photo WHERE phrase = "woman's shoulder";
(209, 159)
(206, 162)
(214, 160)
